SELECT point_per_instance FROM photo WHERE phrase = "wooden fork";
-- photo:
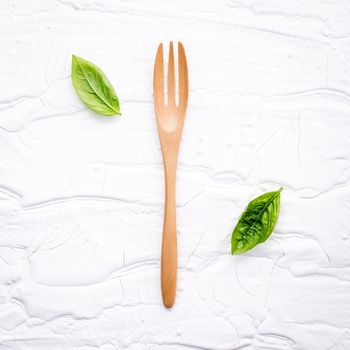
(170, 120)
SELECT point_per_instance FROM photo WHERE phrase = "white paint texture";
(81, 196)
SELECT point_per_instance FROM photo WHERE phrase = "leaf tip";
(76, 59)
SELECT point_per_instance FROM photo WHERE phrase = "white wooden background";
(81, 196)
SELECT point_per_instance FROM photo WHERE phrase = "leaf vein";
(262, 210)
(94, 90)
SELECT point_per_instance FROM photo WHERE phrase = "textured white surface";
(81, 197)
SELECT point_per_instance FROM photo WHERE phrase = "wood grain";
(170, 120)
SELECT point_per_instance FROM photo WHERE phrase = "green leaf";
(256, 222)
(93, 87)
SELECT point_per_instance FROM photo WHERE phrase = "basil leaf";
(256, 222)
(93, 87)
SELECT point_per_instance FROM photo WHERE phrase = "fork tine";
(183, 78)
(158, 79)
(171, 77)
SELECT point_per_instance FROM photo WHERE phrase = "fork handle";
(169, 241)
